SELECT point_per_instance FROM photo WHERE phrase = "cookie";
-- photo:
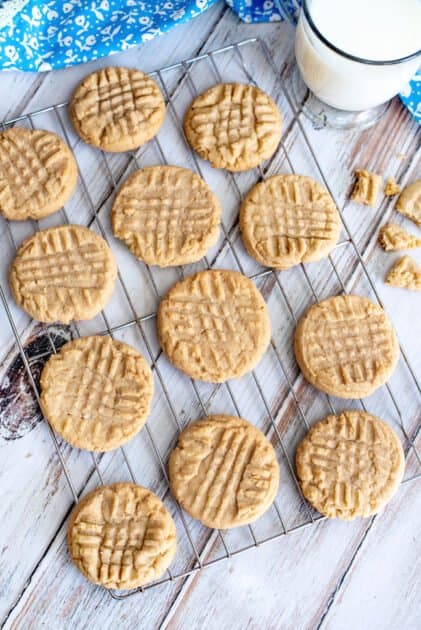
(117, 109)
(214, 325)
(367, 187)
(121, 536)
(224, 472)
(96, 392)
(38, 173)
(392, 237)
(346, 346)
(63, 273)
(166, 215)
(409, 202)
(289, 219)
(233, 126)
(405, 274)
(391, 187)
(350, 465)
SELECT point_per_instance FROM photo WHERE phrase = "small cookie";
(121, 536)
(63, 273)
(38, 173)
(391, 187)
(234, 126)
(224, 472)
(409, 202)
(214, 325)
(96, 392)
(392, 237)
(405, 274)
(117, 109)
(289, 219)
(350, 465)
(346, 346)
(166, 215)
(367, 187)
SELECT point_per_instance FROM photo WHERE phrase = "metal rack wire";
(283, 417)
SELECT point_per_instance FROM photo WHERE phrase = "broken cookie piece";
(392, 237)
(405, 274)
(391, 188)
(409, 202)
(367, 187)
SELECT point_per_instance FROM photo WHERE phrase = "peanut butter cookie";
(121, 536)
(38, 173)
(96, 392)
(289, 219)
(224, 472)
(346, 346)
(63, 273)
(214, 325)
(117, 109)
(234, 126)
(166, 215)
(350, 465)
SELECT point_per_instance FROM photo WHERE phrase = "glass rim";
(341, 52)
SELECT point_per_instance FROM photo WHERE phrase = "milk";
(375, 30)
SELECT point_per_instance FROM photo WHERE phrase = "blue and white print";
(411, 96)
(40, 35)
(55, 34)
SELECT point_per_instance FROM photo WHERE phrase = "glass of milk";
(355, 55)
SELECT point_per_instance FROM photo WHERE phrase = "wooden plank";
(51, 578)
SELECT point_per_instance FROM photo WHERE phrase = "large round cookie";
(350, 465)
(38, 173)
(289, 219)
(121, 536)
(224, 471)
(166, 215)
(96, 392)
(234, 126)
(409, 202)
(346, 346)
(63, 273)
(117, 109)
(214, 325)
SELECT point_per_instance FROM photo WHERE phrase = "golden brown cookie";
(391, 187)
(224, 472)
(214, 325)
(121, 536)
(96, 392)
(405, 274)
(289, 219)
(367, 187)
(117, 109)
(409, 202)
(350, 465)
(63, 273)
(38, 173)
(166, 215)
(393, 237)
(346, 346)
(234, 126)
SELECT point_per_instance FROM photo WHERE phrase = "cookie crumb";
(409, 202)
(392, 237)
(391, 188)
(366, 188)
(405, 274)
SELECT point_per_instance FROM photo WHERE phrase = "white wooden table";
(335, 575)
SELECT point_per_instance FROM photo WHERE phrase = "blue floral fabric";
(45, 35)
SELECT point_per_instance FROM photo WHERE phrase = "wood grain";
(310, 577)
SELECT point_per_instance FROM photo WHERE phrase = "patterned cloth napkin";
(45, 35)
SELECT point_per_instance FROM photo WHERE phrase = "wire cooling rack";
(274, 396)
